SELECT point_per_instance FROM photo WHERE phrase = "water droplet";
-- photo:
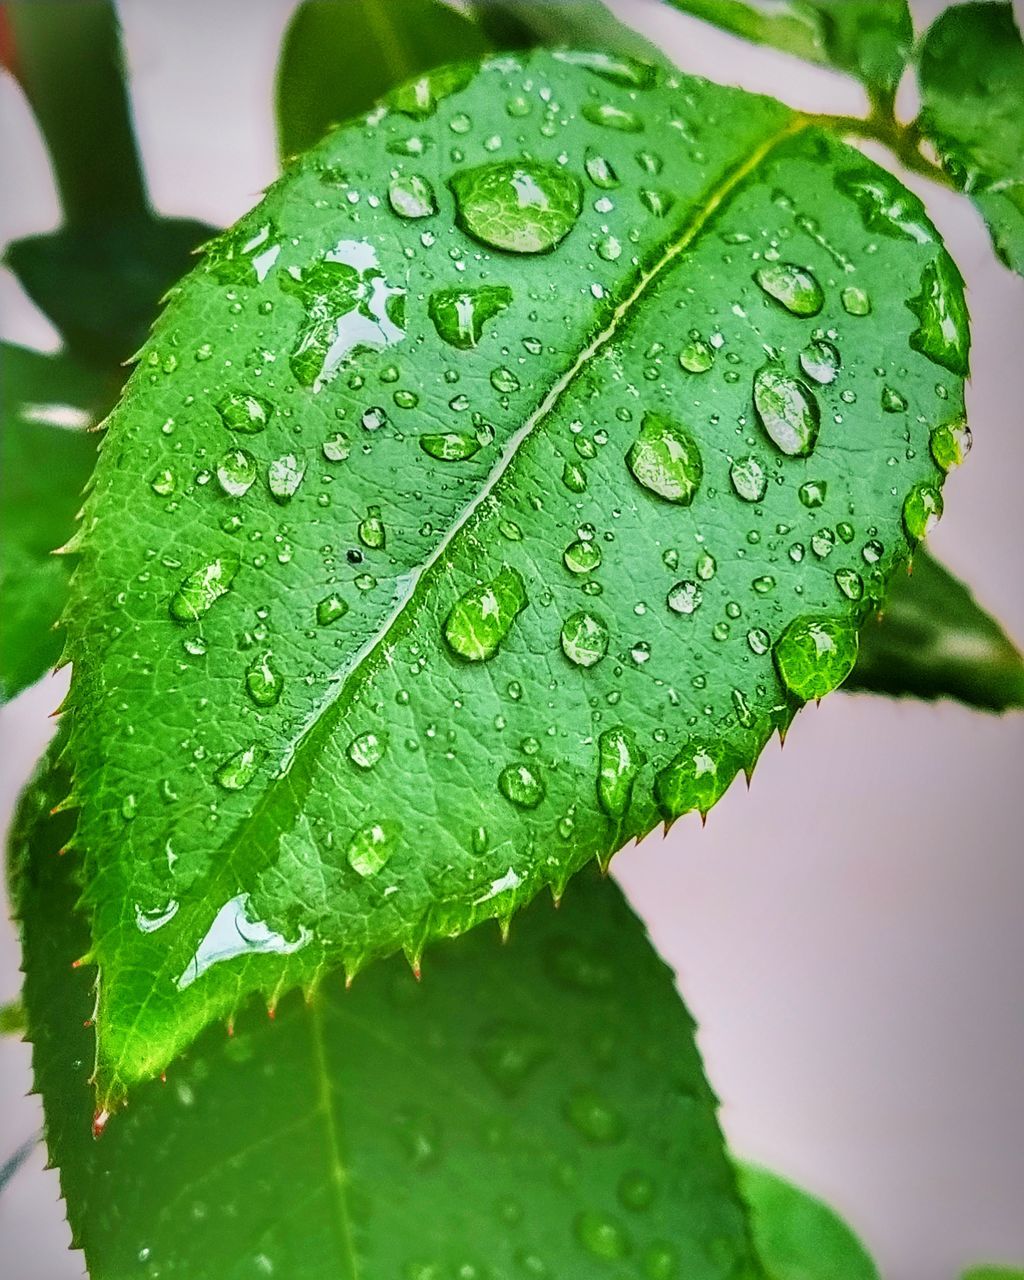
(202, 588)
(521, 206)
(374, 418)
(813, 655)
(162, 483)
(821, 361)
(330, 609)
(696, 778)
(411, 196)
(459, 315)
(706, 566)
(636, 1190)
(594, 1117)
(337, 448)
(812, 493)
(602, 1236)
(892, 401)
(665, 459)
(609, 248)
(685, 597)
(943, 332)
(236, 472)
(697, 356)
(372, 846)
(794, 287)
(886, 206)
(284, 475)
(262, 682)
(950, 443)
(582, 557)
(600, 170)
(855, 301)
(619, 762)
(922, 510)
(850, 583)
(749, 479)
(450, 446)
(371, 530)
(367, 749)
(509, 1054)
(504, 380)
(521, 786)
(787, 410)
(609, 116)
(618, 68)
(243, 412)
(419, 98)
(661, 1262)
(239, 770)
(584, 638)
(482, 618)
(660, 203)
(574, 478)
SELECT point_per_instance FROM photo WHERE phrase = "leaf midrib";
(322, 722)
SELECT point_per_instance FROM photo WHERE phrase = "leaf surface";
(971, 71)
(434, 553)
(798, 1236)
(537, 1109)
(340, 56)
(933, 640)
(869, 40)
(48, 402)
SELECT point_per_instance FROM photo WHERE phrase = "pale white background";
(850, 934)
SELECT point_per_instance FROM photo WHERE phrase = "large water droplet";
(372, 846)
(619, 760)
(371, 530)
(855, 301)
(609, 116)
(263, 683)
(685, 597)
(943, 332)
(459, 315)
(520, 785)
(821, 361)
(885, 205)
(749, 479)
(950, 443)
(600, 170)
(244, 412)
(284, 475)
(618, 68)
(481, 619)
(584, 638)
(814, 655)
(697, 356)
(411, 196)
(367, 749)
(419, 98)
(696, 778)
(236, 472)
(330, 609)
(582, 556)
(922, 510)
(665, 459)
(787, 410)
(450, 446)
(521, 206)
(793, 287)
(239, 770)
(202, 588)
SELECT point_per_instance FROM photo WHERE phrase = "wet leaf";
(971, 70)
(534, 1109)
(869, 40)
(933, 640)
(583, 492)
(46, 405)
(798, 1236)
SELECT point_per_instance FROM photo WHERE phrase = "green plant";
(490, 493)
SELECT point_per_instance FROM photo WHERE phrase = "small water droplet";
(812, 493)
(602, 1236)
(284, 475)
(239, 770)
(821, 361)
(685, 597)
(243, 412)
(609, 116)
(696, 778)
(617, 68)
(892, 401)
(594, 1117)
(236, 472)
(371, 530)
(582, 557)
(202, 588)
(412, 196)
(337, 448)
(619, 762)
(450, 446)
(372, 846)
(263, 683)
(943, 333)
(749, 479)
(855, 301)
(600, 170)
(330, 609)
(697, 356)
(950, 443)
(367, 749)
(520, 785)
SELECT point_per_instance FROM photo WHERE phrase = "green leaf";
(101, 276)
(340, 56)
(585, 24)
(47, 403)
(971, 70)
(480, 538)
(534, 1109)
(996, 1272)
(868, 40)
(798, 1236)
(934, 640)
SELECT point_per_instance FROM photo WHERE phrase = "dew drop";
(665, 459)
(814, 655)
(263, 683)
(892, 401)
(600, 170)
(367, 749)
(821, 361)
(594, 1117)
(239, 770)
(922, 510)
(450, 446)
(609, 116)
(584, 638)
(284, 475)
(685, 597)
(236, 472)
(795, 288)
(246, 413)
(602, 1236)
(697, 356)
(950, 443)
(202, 588)
(521, 206)
(482, 618)
(696, 778)
(619, 762)
(459, 315)
(749, 479)
(330, 609)
(787, 410)
(582, 557)
(521, 786)
(943, 332)
(371, 847)
(855, 301)
(617, 68)
(411, 196)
